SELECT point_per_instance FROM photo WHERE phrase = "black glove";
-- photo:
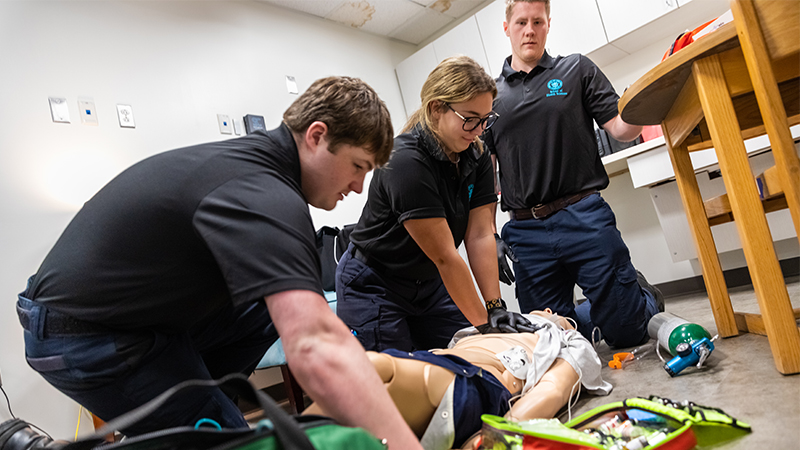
(503, 321)
(503, 250)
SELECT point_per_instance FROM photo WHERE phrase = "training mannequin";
(423, 390)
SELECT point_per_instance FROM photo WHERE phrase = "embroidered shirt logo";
(555, 86)
(470, 188)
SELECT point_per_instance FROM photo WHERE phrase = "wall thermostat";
(254, 123)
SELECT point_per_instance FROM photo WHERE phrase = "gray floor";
(741, 378)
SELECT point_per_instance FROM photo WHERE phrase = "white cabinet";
(575, 27)
(620, 17)
(411, 75)
(464, 39)
(495, 42)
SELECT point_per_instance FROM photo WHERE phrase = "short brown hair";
(456, 79)
(351, 109)
(511, 3)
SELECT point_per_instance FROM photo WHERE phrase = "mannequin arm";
(548, 396)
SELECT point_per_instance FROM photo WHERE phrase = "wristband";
(495, 303)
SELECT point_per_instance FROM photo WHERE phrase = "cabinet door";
(620, 17)
(411, 75)
(575, 27)
(464, 39)
(495, 42)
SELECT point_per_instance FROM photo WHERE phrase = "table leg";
(703, 239)
(748, 213)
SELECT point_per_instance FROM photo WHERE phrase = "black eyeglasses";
(471, 123)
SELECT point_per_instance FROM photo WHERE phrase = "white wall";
(178, 64)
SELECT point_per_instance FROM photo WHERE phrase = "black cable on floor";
(8, 402)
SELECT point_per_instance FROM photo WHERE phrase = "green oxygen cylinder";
(671, 330)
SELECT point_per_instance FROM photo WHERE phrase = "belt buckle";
(536, 216)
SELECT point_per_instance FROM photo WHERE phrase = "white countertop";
(649, 163)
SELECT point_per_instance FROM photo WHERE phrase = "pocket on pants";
(77, 362)
(625, 273)
(361, 316)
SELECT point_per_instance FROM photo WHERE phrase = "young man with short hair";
(191, 263)
(562, 231)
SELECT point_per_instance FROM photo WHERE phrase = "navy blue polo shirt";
(544, 139)
(420, 182)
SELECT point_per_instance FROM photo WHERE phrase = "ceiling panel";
(421, 27)
(412, 21)
(454, 8)
(320, 8)
(375, 16)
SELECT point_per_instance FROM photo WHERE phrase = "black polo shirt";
(420, 182)
(181, 234)
(544, 139)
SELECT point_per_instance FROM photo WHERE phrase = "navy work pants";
(386, 312)
(581, 245)
(111, 373)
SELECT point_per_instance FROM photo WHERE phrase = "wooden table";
(740, 81)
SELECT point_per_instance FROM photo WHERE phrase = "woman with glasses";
(402, 283)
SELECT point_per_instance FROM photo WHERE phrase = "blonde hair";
(455, 80)
(511, 3)
(351, 109)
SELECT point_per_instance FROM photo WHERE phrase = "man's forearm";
(333, 368)
(338, 376)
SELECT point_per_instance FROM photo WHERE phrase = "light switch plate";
(59, 109)
(225, 126)
(238, 126)
(87, 110)
(291, 84)
(125, 115)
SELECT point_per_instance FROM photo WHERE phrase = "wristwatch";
(495, 303)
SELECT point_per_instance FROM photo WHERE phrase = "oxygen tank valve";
(690, 354)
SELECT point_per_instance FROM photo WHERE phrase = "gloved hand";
(503, 321)
(503, 250)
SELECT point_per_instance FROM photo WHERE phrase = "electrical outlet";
(125, 114)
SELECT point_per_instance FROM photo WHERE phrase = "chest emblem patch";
(555, 86)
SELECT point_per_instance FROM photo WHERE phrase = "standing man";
(189, 264)
(561, 230)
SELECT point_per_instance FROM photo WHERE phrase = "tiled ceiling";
(411, 21)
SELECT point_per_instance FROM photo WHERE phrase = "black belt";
(56, 323)
(361, 256)
(548, 209)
